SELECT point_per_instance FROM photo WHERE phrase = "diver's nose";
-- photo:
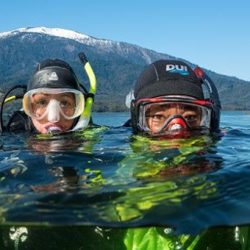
(177, 124)
(53, 111)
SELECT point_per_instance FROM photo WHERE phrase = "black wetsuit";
(19, 122)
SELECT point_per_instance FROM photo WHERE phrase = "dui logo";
(177, 68)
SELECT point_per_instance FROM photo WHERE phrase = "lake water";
(106, 189)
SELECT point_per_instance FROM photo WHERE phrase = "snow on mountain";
(108, 45)
(58, 32)
(121, 48)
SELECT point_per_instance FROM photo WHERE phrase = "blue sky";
(214, 34)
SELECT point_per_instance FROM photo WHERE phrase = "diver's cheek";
(154, 127)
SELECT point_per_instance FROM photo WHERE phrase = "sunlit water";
(107, 182)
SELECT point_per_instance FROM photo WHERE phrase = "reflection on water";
(105, 186)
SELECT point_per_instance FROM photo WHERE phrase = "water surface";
(107, 178)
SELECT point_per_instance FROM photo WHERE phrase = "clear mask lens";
(165, 116)
(53, 104)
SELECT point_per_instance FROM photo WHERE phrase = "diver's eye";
(41, 102)
(158, 118)
(65, 104)
(192, 119)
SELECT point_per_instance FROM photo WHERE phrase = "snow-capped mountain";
(108, 45)
(116, 64)
(58, 32)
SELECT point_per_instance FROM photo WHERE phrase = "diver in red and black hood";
(172, 99)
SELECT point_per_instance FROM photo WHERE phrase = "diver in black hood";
(54, 100)
(171, 99)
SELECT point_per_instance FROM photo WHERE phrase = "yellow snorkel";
(9, 99)
(86, 114)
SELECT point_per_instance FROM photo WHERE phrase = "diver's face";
(52, 112)
(157, 115)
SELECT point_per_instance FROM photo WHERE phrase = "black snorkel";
(6, 99)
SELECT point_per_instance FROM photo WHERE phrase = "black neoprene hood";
(168, 77)
(53, 74)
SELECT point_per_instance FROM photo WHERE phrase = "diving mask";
(53, 103)
(161, 115)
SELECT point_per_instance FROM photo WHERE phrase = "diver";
(174, 111)
(172, 99)
(54, 101)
